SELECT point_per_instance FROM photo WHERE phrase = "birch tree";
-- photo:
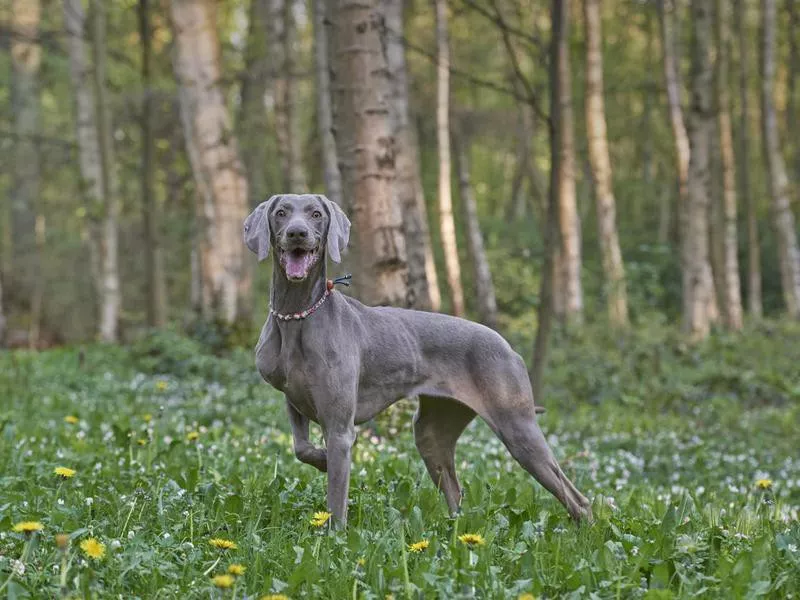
(568, 219)
(754, 304)
(283, 42)
(156, 293)
(214, 157)
(731, 285)
(782, 218)
(447, 223)
(546, 311)
(252, 124)
(481, 273)
(613, 268)
(111, 298)
(26, 58)
(672, 84)
(330, 168)
(96, 157)
(422, 280)
(696, 280)
(366, 149)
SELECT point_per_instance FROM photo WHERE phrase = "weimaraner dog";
(340, 363)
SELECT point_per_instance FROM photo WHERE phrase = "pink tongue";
(297, 265)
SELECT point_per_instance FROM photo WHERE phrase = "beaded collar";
(344, 280)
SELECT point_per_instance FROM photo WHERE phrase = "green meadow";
(690, 455)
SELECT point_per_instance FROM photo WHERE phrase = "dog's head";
(302, 228)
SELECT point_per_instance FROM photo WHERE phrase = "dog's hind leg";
(528, 446)
(438, 424)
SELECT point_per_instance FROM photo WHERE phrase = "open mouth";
(297, 262)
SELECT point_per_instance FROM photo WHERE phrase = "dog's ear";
(338, 229)
(256, 229)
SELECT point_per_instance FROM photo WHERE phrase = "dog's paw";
(316, 457)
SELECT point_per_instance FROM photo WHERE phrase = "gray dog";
(340, 363)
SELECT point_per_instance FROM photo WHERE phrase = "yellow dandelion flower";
(526, 597)
(223, 544)
(764, 484)
(64, 472)
(93, 548)
(192, 436)
(223, 581)
(275, 597)
(147, 417)
(141, 442)
(28, 527)
(72, 420)
(361, 562)
(236, 569)
(161, 385)
(418, 546)
(472, 539)
(320, 518)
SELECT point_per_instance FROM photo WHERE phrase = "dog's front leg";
(304, 450)
(339, 443)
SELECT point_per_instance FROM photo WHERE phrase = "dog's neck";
(289, 297)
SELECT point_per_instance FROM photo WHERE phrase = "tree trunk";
(569, 220)
(111, 295)
(366, 149)
(430, 263)
(672, 83)
(156, 299)
(792, 88)
(333, 179)
(446, 220)
(86, 133)
(697, 280)
(551, 241)
(2, 317)
(286, 116)
(415, 217)
(754, 304)
(732, 296)
(484, 288)
(782, 217)
(214, 157)
(26, 57)
(613, 268)
(252, 124)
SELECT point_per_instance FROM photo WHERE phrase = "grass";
(173, 447)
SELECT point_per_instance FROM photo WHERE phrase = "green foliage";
(669, 441)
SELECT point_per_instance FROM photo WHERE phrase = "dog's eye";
(316, 214)
(280, 213)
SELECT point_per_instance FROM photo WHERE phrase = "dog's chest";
(283, 364)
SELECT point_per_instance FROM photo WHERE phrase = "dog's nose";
(297, 233)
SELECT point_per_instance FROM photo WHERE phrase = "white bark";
(214, 156)
(446, 219)
(110, 298)
(26, 56)
(613, 268)
(569, 220)
(731, 288)
(366, 150)
(754, 304)
(330, 167)
(782, 217)
(482, 274)
(408, 188)
(697, 280)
